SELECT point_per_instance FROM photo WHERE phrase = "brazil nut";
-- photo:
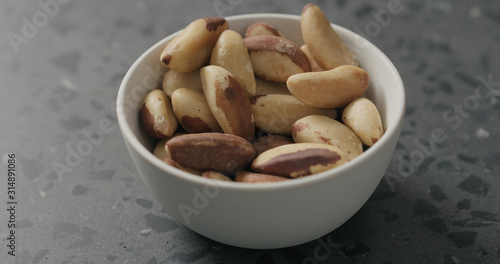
(275, 113)
(261, 28)
(173, 80)
(191, 49)
(211, 151)
(228, 101)
(231, 53)
(314, 64)
(157, 116)
(322, 129)
(363, 118)
(325, 45)
(275, 58)
(268, 87)
(192, 111)
(298, 160)
(268, 142)
(171, 162)
(329, 89)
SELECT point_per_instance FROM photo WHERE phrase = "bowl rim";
(376, 149)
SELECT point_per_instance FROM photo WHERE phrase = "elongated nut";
(329, 89)
(231, 54)
(314, 65)
(323, 42)
(363, 118)
(214, 175)
(299, 159)
(192, 111)
(265, 143)
(268, 87)
(275, 59)
(161, 150)
(252, 177)
(228, 102)
(173, 80)
(261, 28)
(171, 162)
(157, 116)
(275, 113)
(211, 151)
(191, 49)
(322, 129)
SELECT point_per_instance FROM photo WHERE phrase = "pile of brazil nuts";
(259, 108)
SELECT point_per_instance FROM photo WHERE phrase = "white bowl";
(274, 215)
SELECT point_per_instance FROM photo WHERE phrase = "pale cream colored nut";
(252, 177)
(275, 113)
(268, 87)
(314, 65)
(161, 151)
(329, 89)
(192, 111)
(323, 42)
(224, 153)
(171, 162)
(214, 175)
(299, 159)
(322, 129)
(228, 102)
(275, 58)
(268, 142)
(191, 49)
(261, 28)
(363, 118)
(231, 54)
(157, 116)
(173, 80)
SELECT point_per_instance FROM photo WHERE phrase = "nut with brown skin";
(228, 102)
(275, 113)
(191, 49)
(322, 129)
(363, 118)
(298, 160)
(192, 111)
(173, 80)
(252, 177)
(325, 45)
(171, 162)
(275, 58)
(261, 28)
(157, 116)
(231, 53)
(265, 143)
(329, 89)
(211, 151)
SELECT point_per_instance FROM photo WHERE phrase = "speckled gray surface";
(62, 64)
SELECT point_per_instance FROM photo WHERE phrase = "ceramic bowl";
(274, 215)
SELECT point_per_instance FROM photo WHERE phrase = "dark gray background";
(61, 81)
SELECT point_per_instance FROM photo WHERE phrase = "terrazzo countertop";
(63, 61)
